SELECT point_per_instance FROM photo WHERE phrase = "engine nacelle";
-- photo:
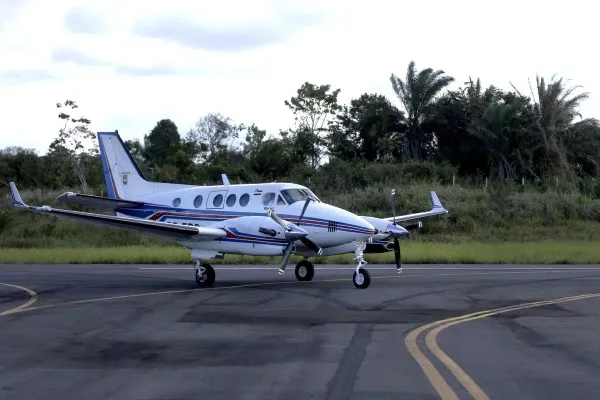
(254, 235)
(379, 247)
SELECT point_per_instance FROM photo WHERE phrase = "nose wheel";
(361, 279)
(204, 274)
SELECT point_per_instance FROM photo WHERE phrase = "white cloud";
(90, 52)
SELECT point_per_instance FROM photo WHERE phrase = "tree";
(417, 93)
(450, 119)
(313, 107)
(213, 133)
(161, 143)
(371, 128)
(76, 142)
(556, 108)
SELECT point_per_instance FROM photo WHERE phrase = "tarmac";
(435, 331)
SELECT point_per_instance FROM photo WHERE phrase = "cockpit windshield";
(294, 195)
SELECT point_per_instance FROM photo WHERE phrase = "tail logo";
(124, 179)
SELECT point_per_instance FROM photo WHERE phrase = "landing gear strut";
(205, 274)
(361, 278)
(305, 270)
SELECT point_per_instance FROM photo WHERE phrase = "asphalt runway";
(436, 331)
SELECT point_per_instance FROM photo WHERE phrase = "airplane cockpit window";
(280, 201)
(268, 199)
(294, 195)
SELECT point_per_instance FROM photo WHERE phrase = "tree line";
(427, 131)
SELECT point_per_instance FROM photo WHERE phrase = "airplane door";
(216, 199)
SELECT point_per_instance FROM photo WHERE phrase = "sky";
(128, 64)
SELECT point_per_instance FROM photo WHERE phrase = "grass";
(504, 224)
(542, 252)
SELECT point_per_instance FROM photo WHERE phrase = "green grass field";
(509, 224)
(546, 252)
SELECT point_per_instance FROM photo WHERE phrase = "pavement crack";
(342, 384)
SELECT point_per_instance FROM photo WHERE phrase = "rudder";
(122, 176)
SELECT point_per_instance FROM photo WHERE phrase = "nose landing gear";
(361, 278)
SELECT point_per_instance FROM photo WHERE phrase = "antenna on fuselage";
(225, 179)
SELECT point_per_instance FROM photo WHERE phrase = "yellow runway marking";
(32, 299)
(434, 376)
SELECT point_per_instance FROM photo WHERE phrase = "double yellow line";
(439, 383)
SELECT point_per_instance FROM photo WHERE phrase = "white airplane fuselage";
(242, 210)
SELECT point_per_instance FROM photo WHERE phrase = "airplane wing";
(97, 201)
(436, 209)
(154, 228)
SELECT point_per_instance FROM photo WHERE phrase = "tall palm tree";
(506, 140)
(556, 108)
(417, 93)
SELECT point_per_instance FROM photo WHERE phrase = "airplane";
(262, 219)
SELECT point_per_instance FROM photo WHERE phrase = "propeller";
(292, 233)
(396, 239)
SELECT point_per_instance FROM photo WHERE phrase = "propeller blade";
(286, 257)
(397, 255)
(312, 245)
(304, 209)
(276, 218)
(394, 205)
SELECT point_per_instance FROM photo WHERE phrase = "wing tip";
(436, 204)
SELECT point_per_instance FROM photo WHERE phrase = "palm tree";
(417, 93)
(556, 109)
(506, 140)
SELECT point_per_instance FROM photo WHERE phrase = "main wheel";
(362, 280)
(304, 270)
(205, 275)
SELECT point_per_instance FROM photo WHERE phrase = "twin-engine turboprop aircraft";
(265, 219)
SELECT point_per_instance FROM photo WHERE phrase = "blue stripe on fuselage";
(218, 215)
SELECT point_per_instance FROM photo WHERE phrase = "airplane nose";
(361, 225)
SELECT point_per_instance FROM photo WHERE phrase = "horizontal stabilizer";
(138, 225)
(97, 201)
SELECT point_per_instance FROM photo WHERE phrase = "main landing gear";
(361, 279)
(205, 274)
(305, 270)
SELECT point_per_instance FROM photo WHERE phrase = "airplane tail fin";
(123, 178)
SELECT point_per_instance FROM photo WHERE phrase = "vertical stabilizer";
(123, 178)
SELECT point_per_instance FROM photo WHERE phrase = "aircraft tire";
(362, 280)
(209, 276)
(305, 271)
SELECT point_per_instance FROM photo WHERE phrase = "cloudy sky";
(130, 63)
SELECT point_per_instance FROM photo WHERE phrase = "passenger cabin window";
(231, 200)
(198, 201)
(294, 195)
(244, 199)
(176, 202)
(218, 200)
(268, 199)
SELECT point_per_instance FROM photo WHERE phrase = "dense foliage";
(473, 134)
